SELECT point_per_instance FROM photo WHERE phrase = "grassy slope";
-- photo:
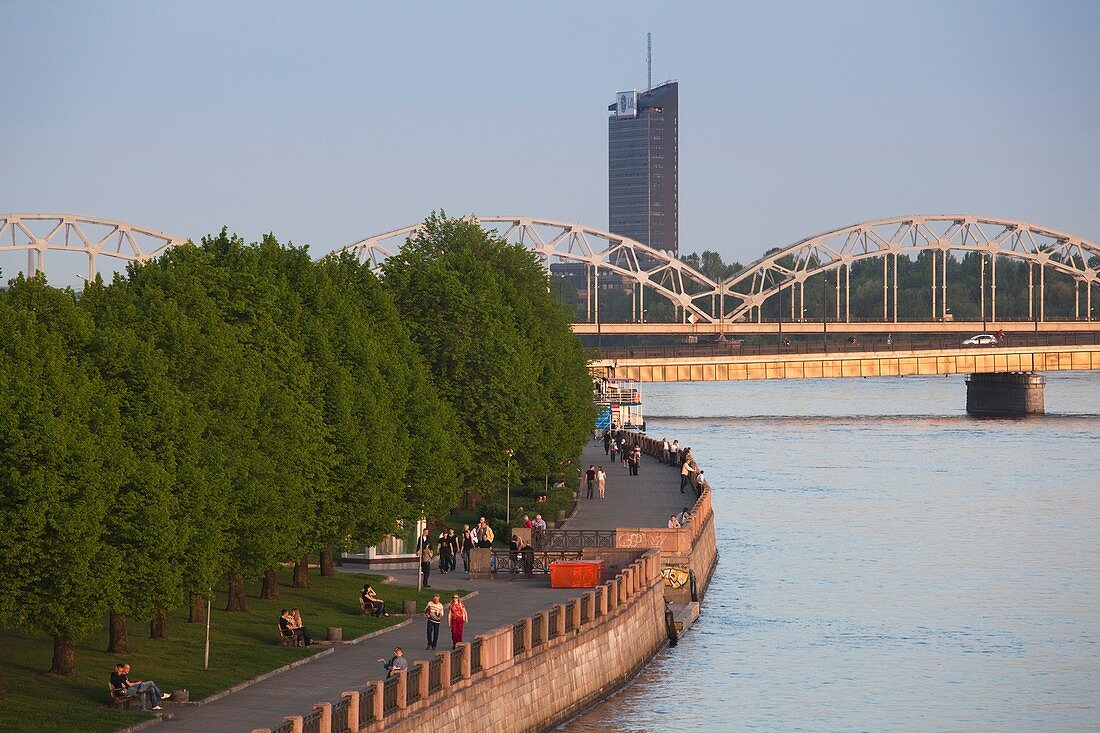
(242, 646)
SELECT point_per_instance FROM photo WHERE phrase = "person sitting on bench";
(371, 603)
(120, 680)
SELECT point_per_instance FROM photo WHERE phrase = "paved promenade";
(643, 500)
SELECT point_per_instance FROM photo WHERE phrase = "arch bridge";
(739, 299)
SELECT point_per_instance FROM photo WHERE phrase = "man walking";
(590, 479)
(424, 551)
(434, 612)
(666, 451)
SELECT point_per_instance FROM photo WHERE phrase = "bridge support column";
(1005, 394)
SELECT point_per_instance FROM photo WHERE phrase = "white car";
(982, 339)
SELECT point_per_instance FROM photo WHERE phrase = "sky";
(328, 122)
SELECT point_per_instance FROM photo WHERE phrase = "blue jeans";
(433, 633)
(143, 689)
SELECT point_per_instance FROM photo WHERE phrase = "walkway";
(644, 500)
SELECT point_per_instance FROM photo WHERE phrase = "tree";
(61, 448)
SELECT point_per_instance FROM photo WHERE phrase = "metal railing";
(475, 656)
(389, 696)
(537, 636)
(412, 684)
(287, 727)
(552, 622)
(456, 665)
(527, 564)
(517, 638)
(569, 610)
(586, 616)
(840, 343)
(312, 723)
(366, 706)
(340, 716)
(435, 675)
(571, 539)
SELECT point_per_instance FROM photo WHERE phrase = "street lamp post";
(508, 495)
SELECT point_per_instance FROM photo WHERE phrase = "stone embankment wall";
(527, 677)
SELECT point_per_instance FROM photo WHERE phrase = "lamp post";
(508, 499)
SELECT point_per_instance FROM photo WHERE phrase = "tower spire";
(649, 60)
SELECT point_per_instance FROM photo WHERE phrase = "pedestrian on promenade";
(673, 522)
(700, 482)
(601, 480)
(684, 517)
(666, 451)
(635, 460)
(590, 480)
(120, 680)
(468, 543)
(685, 475)
(441, 549)
(540, 523)
(674, 453)
(424, 551)
(457, 620)
(614, 450)
(484, 534)
(434, 612)
(607, 441)
(397, 663)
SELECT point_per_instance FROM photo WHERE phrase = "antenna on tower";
(649, 60)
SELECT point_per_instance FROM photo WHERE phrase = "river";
(887, 563)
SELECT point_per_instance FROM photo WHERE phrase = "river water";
(887, 563)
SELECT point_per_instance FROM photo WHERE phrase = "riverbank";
(500, 678)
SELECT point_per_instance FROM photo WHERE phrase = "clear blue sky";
(328, 122)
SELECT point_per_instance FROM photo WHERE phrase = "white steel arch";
(742, 296)
(598, 251)
(38, 233)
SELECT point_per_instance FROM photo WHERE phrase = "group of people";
(537, 523)
(371, 603)
(676, 521)
(595, 479)
(121, 684)
(449, 546)
(290, 624)
(434, 611)
(617, 448)
(691, 476)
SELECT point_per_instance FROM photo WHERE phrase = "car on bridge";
(982, 339)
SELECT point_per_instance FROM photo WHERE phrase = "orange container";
(576, 573)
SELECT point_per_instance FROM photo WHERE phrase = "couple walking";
(457, 621)
(596, 478)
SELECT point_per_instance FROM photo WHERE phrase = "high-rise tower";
(643, 167)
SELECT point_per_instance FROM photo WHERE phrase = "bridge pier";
(1000, 394)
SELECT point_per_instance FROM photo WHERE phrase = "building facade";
(643, 167)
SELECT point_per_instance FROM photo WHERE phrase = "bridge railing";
(839, 344)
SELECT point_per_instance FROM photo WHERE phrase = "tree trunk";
(118, 641)
(158, 627)
(3, 696)
(301, 572)
(196, 612)
(328, 567)
(64, 657)
(270, 590)
(237, 601)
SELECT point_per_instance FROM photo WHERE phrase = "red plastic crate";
(576, 573)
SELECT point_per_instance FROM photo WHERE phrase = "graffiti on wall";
(676, 576)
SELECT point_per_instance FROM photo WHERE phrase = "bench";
(289, 640)
(119, 700)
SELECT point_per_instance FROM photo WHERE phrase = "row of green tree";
(914, 302)
(230, 407)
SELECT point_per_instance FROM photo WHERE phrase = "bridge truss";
(37, 234)
(697, 298)
(603, 260)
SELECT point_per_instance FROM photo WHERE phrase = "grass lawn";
(242, 646)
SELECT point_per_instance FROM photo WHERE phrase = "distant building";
(643, 167)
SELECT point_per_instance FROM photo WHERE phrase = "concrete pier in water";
(1005, 394)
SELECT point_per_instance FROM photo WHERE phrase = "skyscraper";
(643, 167)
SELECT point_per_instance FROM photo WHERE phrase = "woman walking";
(457, 620)
(468, 544)
(601, 480)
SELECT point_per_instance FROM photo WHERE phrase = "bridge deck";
(854, 364)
